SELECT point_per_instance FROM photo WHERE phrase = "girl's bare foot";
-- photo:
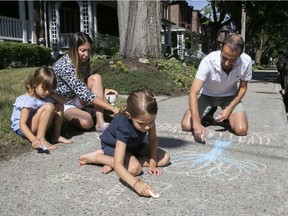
(48, 145)
(90, 158)
(62, 139)
(106, 169)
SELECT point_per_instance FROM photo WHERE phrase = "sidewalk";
(229, 175)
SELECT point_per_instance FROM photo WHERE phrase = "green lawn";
(12, 85)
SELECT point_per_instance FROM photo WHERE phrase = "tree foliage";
(222, 14)
(266, 24)
(266, 32)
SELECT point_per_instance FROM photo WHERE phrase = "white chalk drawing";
(213, 164)
(86, 142)
(176, 131)
(69, 177)
(101, 193)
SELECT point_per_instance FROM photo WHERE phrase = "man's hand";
(224, 114)
(199, 132)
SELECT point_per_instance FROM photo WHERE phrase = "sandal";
(103, 127)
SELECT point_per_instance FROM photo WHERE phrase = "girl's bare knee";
(135, 169)
(166, 159)
(49, 107)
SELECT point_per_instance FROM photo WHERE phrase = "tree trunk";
(139, 28)
(258, 56)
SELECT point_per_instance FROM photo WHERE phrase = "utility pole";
(243, 22)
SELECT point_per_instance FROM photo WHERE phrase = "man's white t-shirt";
(216, 82)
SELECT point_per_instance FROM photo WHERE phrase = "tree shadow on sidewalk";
(265, 77)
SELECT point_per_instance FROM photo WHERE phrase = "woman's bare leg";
(79, 118)
(95, 85)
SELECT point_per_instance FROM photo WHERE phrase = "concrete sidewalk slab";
(229, 175)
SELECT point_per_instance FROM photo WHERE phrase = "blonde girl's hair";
(141, 102)
(78, 40)
(43, 75)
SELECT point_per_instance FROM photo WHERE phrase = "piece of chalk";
(43, 147)
(202, 137)
(156, 195)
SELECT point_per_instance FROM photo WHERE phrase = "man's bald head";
(235, 42)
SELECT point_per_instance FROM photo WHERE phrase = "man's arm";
(193, 107)
(241, 91)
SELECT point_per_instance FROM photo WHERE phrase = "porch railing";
(12, 29)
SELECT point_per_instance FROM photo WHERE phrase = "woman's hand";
(116, 111)
(155, 170)
(110, 91)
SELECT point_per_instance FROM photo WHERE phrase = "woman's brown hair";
(77, 40)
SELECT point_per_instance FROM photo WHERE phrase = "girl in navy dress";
(122, 146)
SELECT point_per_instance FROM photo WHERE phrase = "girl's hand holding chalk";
(154, 195)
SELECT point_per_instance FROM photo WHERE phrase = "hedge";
(13, 54)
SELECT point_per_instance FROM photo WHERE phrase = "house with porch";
(189, 36)
(17, 21)
(52, 23)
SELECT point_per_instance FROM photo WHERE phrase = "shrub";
(181, 75)
(14, 54)
(126, 82)
(106, 45)
(97, 60)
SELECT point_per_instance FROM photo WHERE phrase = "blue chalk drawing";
(252, 138)
(213, 164)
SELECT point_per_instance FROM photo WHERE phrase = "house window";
(69, 17)
(9, 9)
(165, 12)
(107, 20)
(174, 40)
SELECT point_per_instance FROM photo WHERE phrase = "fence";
(13, 29)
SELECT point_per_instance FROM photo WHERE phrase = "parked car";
(282, 67)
